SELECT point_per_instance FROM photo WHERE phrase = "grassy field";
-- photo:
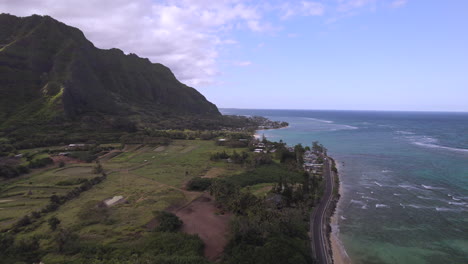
(32, 192)
(150, 178)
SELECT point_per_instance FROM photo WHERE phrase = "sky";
(408, 55)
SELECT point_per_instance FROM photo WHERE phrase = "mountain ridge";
(50, 72)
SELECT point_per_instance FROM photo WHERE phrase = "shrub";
(23, 221)
(71, 182)
(168, 222)
(53, 222)
(199, 184)
(39, 163)
(98, 168)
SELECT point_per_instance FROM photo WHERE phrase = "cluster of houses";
(310, 162)
(264, 148)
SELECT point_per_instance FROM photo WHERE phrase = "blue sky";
(414, 57)
(318, 54)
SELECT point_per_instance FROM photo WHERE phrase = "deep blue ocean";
(404, 178)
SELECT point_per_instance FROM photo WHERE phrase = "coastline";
(338, 251)
(257, 135)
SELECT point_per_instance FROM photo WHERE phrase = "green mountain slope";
(50, 74)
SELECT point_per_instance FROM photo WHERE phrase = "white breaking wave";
(358, 202)
(443, 209)
(426, 141)
(361, 203)
(408, 187)
(454, 203)
(418, 206)
(430, 198)
(454, 198)
(378, 184)
(440, 147)
(404, 132)
(320, 120)
(368, 198)
(349, 127)
(381, 206)
(428, 187)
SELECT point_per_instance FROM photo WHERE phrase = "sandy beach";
(339, 253)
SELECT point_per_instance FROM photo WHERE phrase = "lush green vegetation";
(149, 177)
(266, 230)
(168, 222)
(199, 184)
(265, 173)
(59, 214)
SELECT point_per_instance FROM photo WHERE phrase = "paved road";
(319, 241)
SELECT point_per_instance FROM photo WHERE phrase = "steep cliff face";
(50, 72)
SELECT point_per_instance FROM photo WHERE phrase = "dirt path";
(112, 154)
(200, 218)
(214, 172)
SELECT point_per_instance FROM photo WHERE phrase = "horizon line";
(349, 110)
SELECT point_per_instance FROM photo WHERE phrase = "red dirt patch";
(65, 159)
(200, 218)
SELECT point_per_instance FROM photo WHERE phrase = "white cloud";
(303, 8)
(313, 8)
(350, 5)
(398, 3)
(185, 35)
(243, 63)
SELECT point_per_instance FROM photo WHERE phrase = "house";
(258, 150)
(114, 200)
(312, 166)
(76, 146)
(19, 156)
(260, 145)
(64, 153)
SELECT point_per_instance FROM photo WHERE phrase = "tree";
(53, 222)
(168, 222)
(65, 240)
(23, 221)
(318, 148)
(98, 168)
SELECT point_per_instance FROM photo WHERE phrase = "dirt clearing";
(159, 149)
(200, 218)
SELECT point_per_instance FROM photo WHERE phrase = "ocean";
(404, 179)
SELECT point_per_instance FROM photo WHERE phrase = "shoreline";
(257, 135)
(339, 253)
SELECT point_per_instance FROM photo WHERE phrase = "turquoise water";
(404, 177)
